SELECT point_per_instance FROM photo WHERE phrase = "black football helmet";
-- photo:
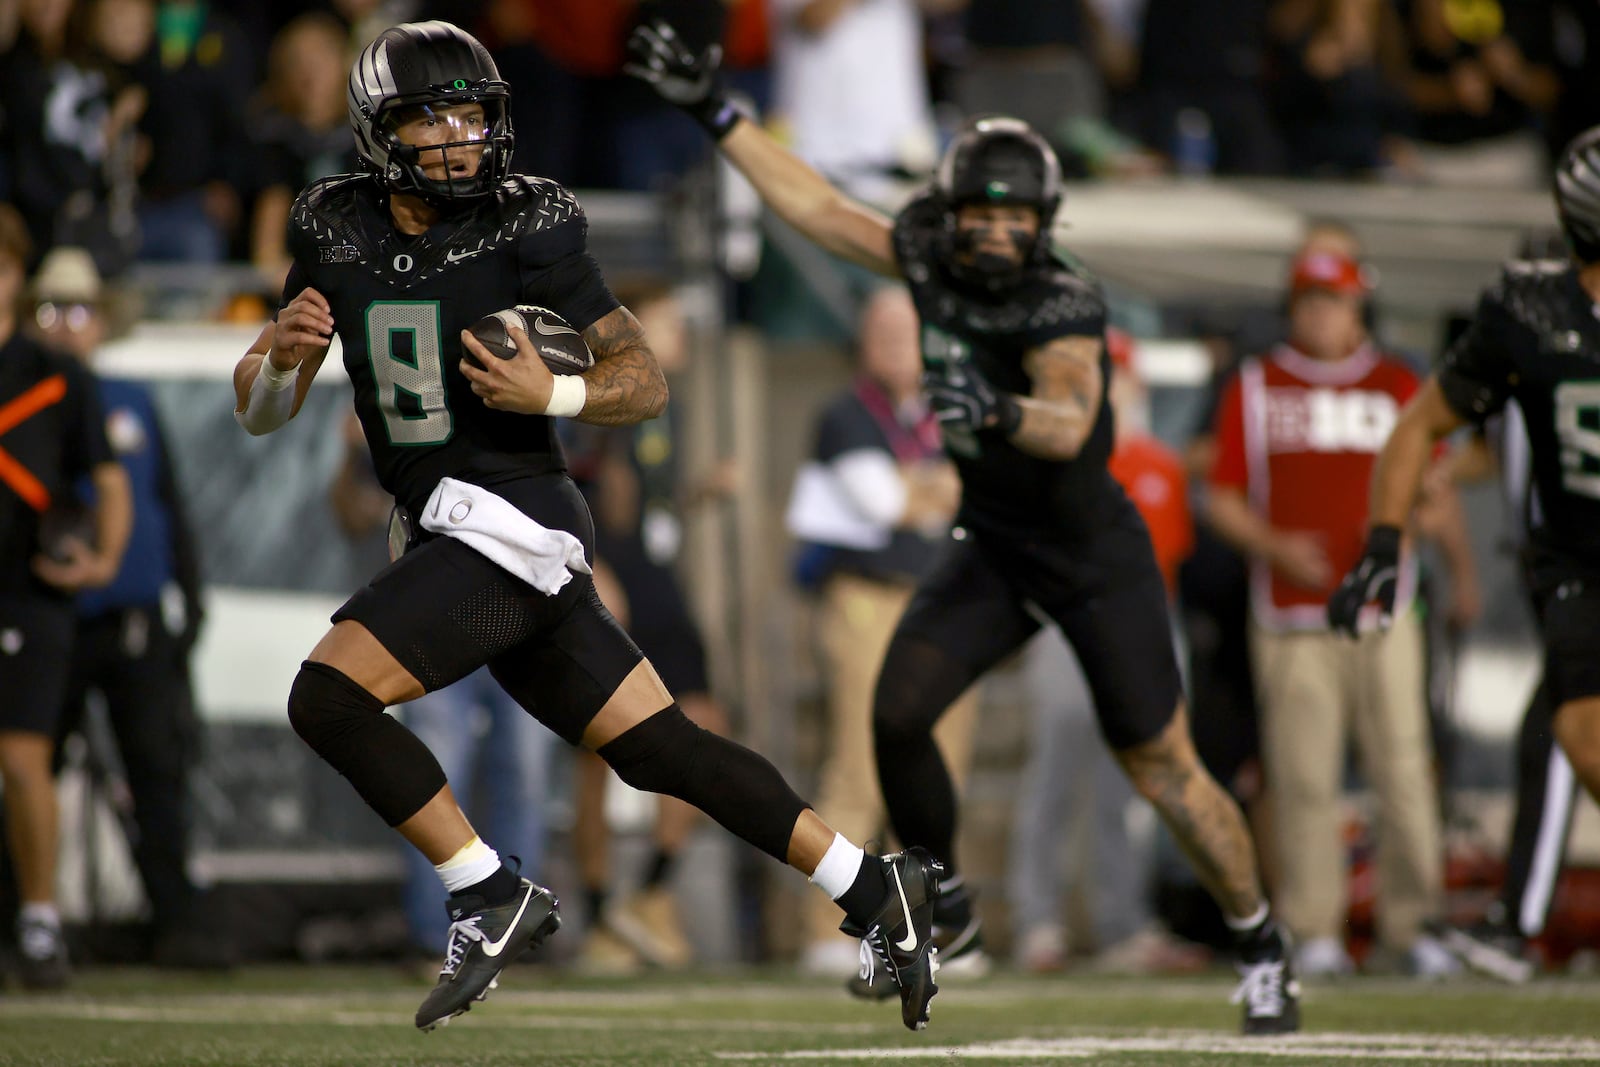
(1577, 187)
(419, 65)
(1001, 160)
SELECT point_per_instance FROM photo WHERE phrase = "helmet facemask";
(999, 162)
(449, 150)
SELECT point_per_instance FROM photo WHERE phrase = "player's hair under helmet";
(408, 69)
(1001, 160)
(1578, 195)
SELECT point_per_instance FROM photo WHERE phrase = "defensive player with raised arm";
(399, 261)
(1013, 346)
(1535, 340)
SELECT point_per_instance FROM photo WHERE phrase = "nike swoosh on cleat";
(494, 948)
(909, 942)
(550, 329)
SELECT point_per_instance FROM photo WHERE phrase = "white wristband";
(567, 396)
(274, 378)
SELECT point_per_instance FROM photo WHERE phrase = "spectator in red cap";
(1298, 431)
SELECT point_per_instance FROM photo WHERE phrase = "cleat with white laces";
(957, 934)
(899, 938)
(1268, 988)
(482, 941)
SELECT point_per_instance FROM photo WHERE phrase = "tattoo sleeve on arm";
(1059, 414)
(625, 385)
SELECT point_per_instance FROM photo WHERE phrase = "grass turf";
(361, 1017)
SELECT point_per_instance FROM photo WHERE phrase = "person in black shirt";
(1535, 341)
(51, 434)
(1015, 365)
(400, 260)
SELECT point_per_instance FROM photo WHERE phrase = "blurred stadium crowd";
(181, 131)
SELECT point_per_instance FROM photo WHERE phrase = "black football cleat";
(1268, 988)
(482, 941)
(957, 934)
(899, 938)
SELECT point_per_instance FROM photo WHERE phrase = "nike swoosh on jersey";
(494, 948)
(550, 329)
(452, 255)
(909, 942)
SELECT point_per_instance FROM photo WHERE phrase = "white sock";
(1256, 918)
(475, 862)
(39, 912)
(839, 867)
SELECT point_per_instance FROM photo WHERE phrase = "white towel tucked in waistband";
(491, 525)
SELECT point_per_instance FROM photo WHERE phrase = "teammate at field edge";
(1013, 346)
(400, 260)
(1534, 340)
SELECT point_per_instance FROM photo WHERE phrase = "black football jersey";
(1535, 339)
(1004, 488)
(400, 303)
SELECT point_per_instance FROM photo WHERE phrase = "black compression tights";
(918, 682)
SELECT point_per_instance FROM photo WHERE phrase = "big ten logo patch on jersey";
(1578, 429)
(1328, 420)
(338, 254)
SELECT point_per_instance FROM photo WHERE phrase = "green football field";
(320, 1017)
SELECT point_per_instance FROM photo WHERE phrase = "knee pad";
(325, 705)
(344, 724)
(658, 754)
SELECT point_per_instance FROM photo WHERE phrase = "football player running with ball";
(1015, 361)
(400, 261)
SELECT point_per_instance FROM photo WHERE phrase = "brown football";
(560, 346)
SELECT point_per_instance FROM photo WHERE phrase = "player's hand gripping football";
(1371, 580)
(659, 57)
(960, 395)
(304, 330)
(522, 383)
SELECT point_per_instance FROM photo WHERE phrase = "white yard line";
(1367, 1048)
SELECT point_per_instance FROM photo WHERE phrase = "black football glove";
(960, 395)
(658, 56)
(1372, 579)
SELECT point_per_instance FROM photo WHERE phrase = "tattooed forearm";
(1054, 429)
(625, 385)
(1060, 414)
(1204, 820)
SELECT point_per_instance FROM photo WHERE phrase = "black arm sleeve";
(573, 288)
(293, 285)
(1476, 372)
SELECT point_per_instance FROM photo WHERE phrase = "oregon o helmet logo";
(459, 83)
